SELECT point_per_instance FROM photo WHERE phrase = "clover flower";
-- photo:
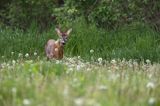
(150, 85)
(26, 102)
(100, 60)
(79, 101)
(20, 55)
(35, 53)
(26, 55)
(12, 53)
(91, 51)
(151, 101)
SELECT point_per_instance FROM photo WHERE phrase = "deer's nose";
(63, 42)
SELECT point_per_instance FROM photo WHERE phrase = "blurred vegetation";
(48, 83)
(108, 14)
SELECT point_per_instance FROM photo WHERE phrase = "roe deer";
(54, 49)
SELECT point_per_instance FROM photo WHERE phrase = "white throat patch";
(57, 41)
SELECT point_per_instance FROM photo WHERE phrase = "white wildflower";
(70, 69)
(35, 53)
(102, 87)
(14, 90)
(148, 61)
(100, 60)
(113, 61)
(91, 51)
(72, 65)
(12, 53)
(88, 69)
(78, 67)
(8, 65)
(123, 61)
(150, 85)
(135, 63)
(79, 57)
(129, 63)
(57, 61)
(2, 57)
(20, 55)
(151, 101)
(70, 59)
(82, 65)
(13, 62)
(79, 101)
(26, 102)
(26, 55)
(3, 65)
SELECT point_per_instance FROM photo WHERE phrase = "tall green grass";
(134, 41)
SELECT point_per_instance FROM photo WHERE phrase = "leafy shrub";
(21, 13)
(109, 14)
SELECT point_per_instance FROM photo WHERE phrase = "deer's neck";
(58, 49)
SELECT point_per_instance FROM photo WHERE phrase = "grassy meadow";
(75, 82)
(100, 68)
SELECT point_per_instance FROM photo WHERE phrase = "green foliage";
(65, 14)
(111, 14)
(108, 14)
(21, 13)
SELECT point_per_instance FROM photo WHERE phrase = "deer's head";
(63, 36)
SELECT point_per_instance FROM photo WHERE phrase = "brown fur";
(54, 49)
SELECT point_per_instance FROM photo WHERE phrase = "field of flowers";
(76, 82)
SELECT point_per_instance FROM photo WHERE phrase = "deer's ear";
(69, 31)
(58, 32)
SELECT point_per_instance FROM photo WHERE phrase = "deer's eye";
(65, 38)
